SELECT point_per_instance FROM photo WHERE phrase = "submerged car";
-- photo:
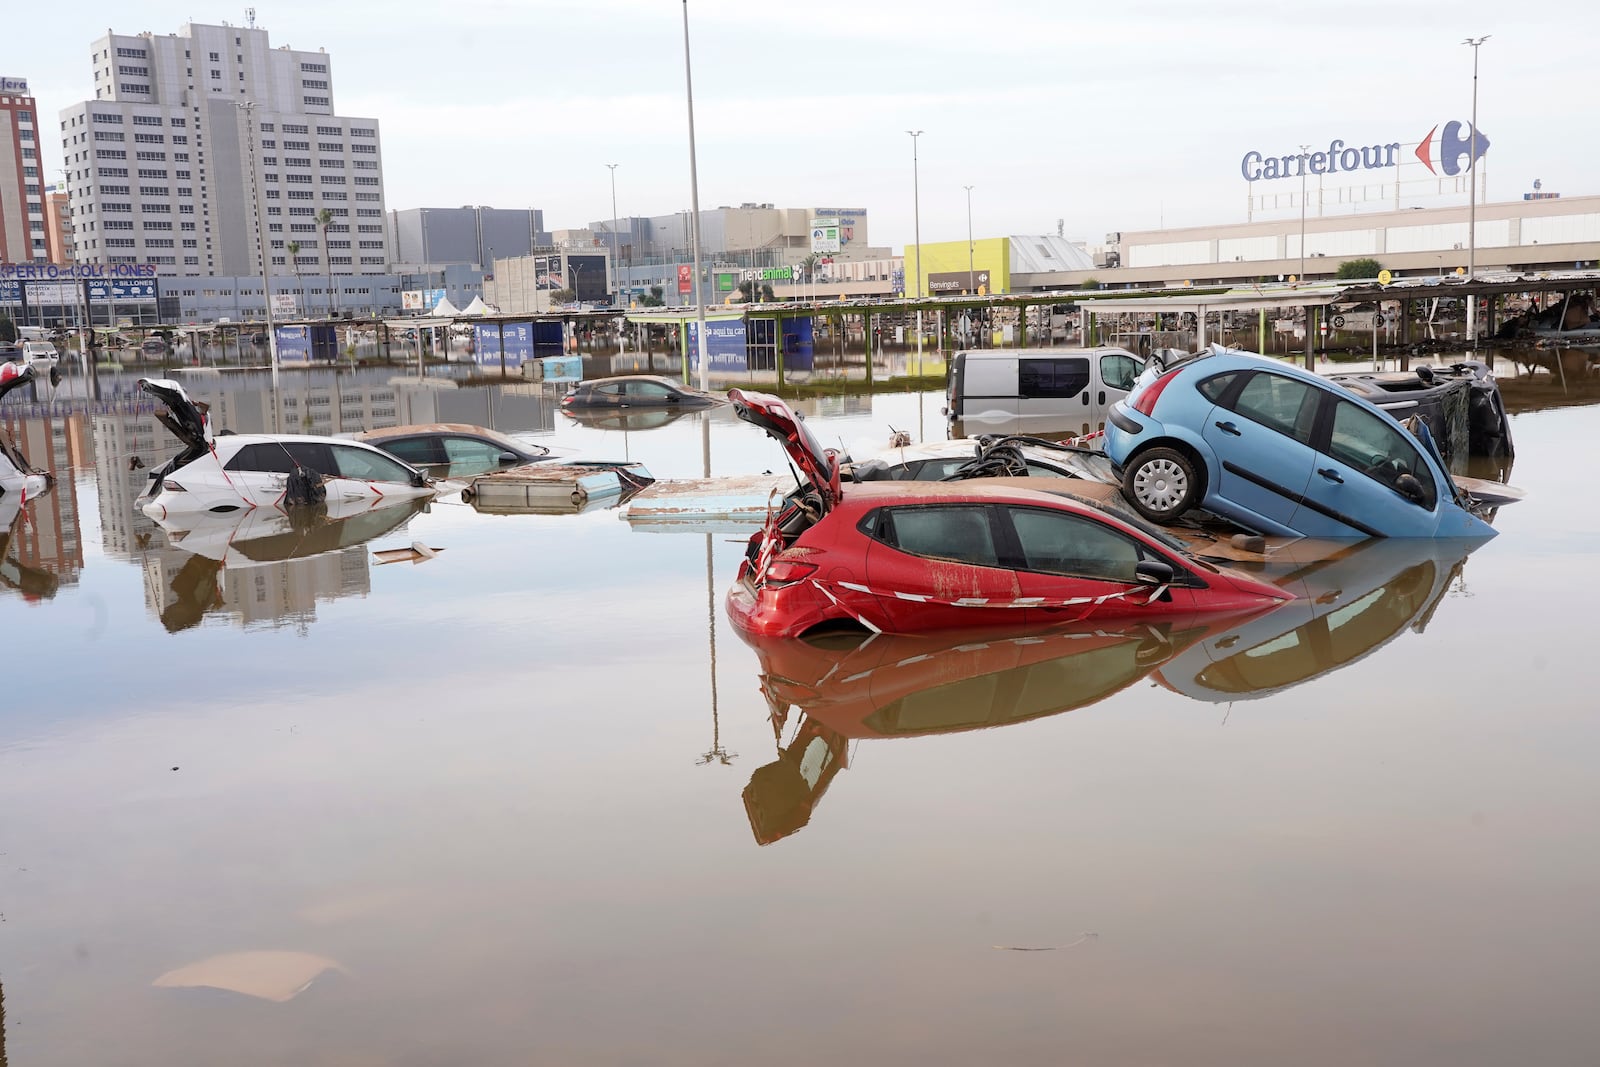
(457, 449)
(934, 461)
(1279, 450)
(907, 557)
(226, 472)
(636, 391)
(18, 477)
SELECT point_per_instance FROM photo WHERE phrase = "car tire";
(1161, 484)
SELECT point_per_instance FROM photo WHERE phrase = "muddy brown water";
(533, 801)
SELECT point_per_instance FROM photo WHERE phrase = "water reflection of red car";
(850, 686)
(907, 557)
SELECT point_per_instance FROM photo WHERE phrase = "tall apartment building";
(58, 224)
(190, 132)
(22, 206)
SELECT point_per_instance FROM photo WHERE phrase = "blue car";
(1279, 450)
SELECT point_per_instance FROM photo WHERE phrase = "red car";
(908, 557)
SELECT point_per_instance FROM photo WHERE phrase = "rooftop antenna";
(250, 17)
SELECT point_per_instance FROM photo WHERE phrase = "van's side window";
(1041, 379)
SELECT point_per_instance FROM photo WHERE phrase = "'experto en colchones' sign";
(1437, 151)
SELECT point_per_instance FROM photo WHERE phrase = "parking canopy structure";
(1200, 304)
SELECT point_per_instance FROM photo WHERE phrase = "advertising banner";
(725, 345)
(285, 303)
(518, 340)
(547, 273)
(41, 294)
(411, 300)
(685, 277)
(726, 281)
(11, 292)
(824, 235)
(119, 290)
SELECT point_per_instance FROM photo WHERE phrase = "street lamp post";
(1472, 206)
(1305, 150)
(261, 241)
(916, 222)
(694, 203)
(613, 168)
(972, 286)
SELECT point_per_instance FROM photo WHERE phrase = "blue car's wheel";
(1161, 484)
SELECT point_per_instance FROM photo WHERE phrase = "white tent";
(476, 308)
(444, 309)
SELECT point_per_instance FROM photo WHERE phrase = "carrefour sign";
(1437, 151)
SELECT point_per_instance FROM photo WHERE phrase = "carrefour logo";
(1444, 152)
(1439, 152)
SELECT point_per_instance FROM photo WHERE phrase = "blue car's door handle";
(1228, 427)
(1330, 474)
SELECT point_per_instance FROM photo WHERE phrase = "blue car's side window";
(1286, 405)
(1213, 387)
(1373, 447)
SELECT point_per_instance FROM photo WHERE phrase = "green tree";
(294, 261)
(8, 329)
(1358, 269)
(324, 221)
(1090, 283)
(750, 292)
(654, 299)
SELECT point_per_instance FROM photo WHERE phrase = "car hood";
(183, 416)
(817, 465)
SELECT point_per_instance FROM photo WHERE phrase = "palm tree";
(325, 220)
(294, 259)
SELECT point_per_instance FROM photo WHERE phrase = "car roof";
(388, 433)
(240, 439)
(661, 378)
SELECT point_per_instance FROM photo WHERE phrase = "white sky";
(1111, 116)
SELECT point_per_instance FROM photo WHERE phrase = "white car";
(934, 461)
(18, 478)
(221, 473)
(41, 355)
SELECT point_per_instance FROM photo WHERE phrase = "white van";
(1037, 391)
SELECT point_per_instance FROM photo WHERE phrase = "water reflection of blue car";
(1349, 603)
(1278, 450)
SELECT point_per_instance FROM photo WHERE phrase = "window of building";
(290, 127)
(132, 88)
(147, 120)
(316, 101)
(149, 138)
(310, 83)
(131, 53)
(150, 172)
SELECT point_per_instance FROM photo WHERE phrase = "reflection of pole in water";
(716, 752)
(2, 1026)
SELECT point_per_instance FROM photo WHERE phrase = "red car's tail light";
(1145, 402)
(788, 571)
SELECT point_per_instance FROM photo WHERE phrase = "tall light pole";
(972, 286)
(916, 222)
(1472, 207)
(694, 204)
(613, 168)
(1305, 149)
(261, 242)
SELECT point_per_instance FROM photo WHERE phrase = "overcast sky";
(1115, 116)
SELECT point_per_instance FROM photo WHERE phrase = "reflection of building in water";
(118, 439)
(182, 589)
(51, 536)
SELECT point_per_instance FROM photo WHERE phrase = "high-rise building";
(189, 134)
(22, 206)
(58, 224)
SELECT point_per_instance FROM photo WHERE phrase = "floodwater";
(533, 800)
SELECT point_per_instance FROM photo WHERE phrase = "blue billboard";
(11, 292)
(488, 337)
(725, 345)
(302, 344)
(122, 290)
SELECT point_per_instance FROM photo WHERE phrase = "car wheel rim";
(1160, 484)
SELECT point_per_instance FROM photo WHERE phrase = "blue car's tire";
(1161, 484)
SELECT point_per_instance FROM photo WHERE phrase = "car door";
(1118, 372)
(649, 394)
(1260, 432)
(1053, 394)
(1062, 556)
(473, 455)
(417, 451)
(259, 472)
(1356, 490)
(367, 474)
(938, 566)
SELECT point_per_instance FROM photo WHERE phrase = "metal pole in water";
(1472, 206)
(694, 203)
